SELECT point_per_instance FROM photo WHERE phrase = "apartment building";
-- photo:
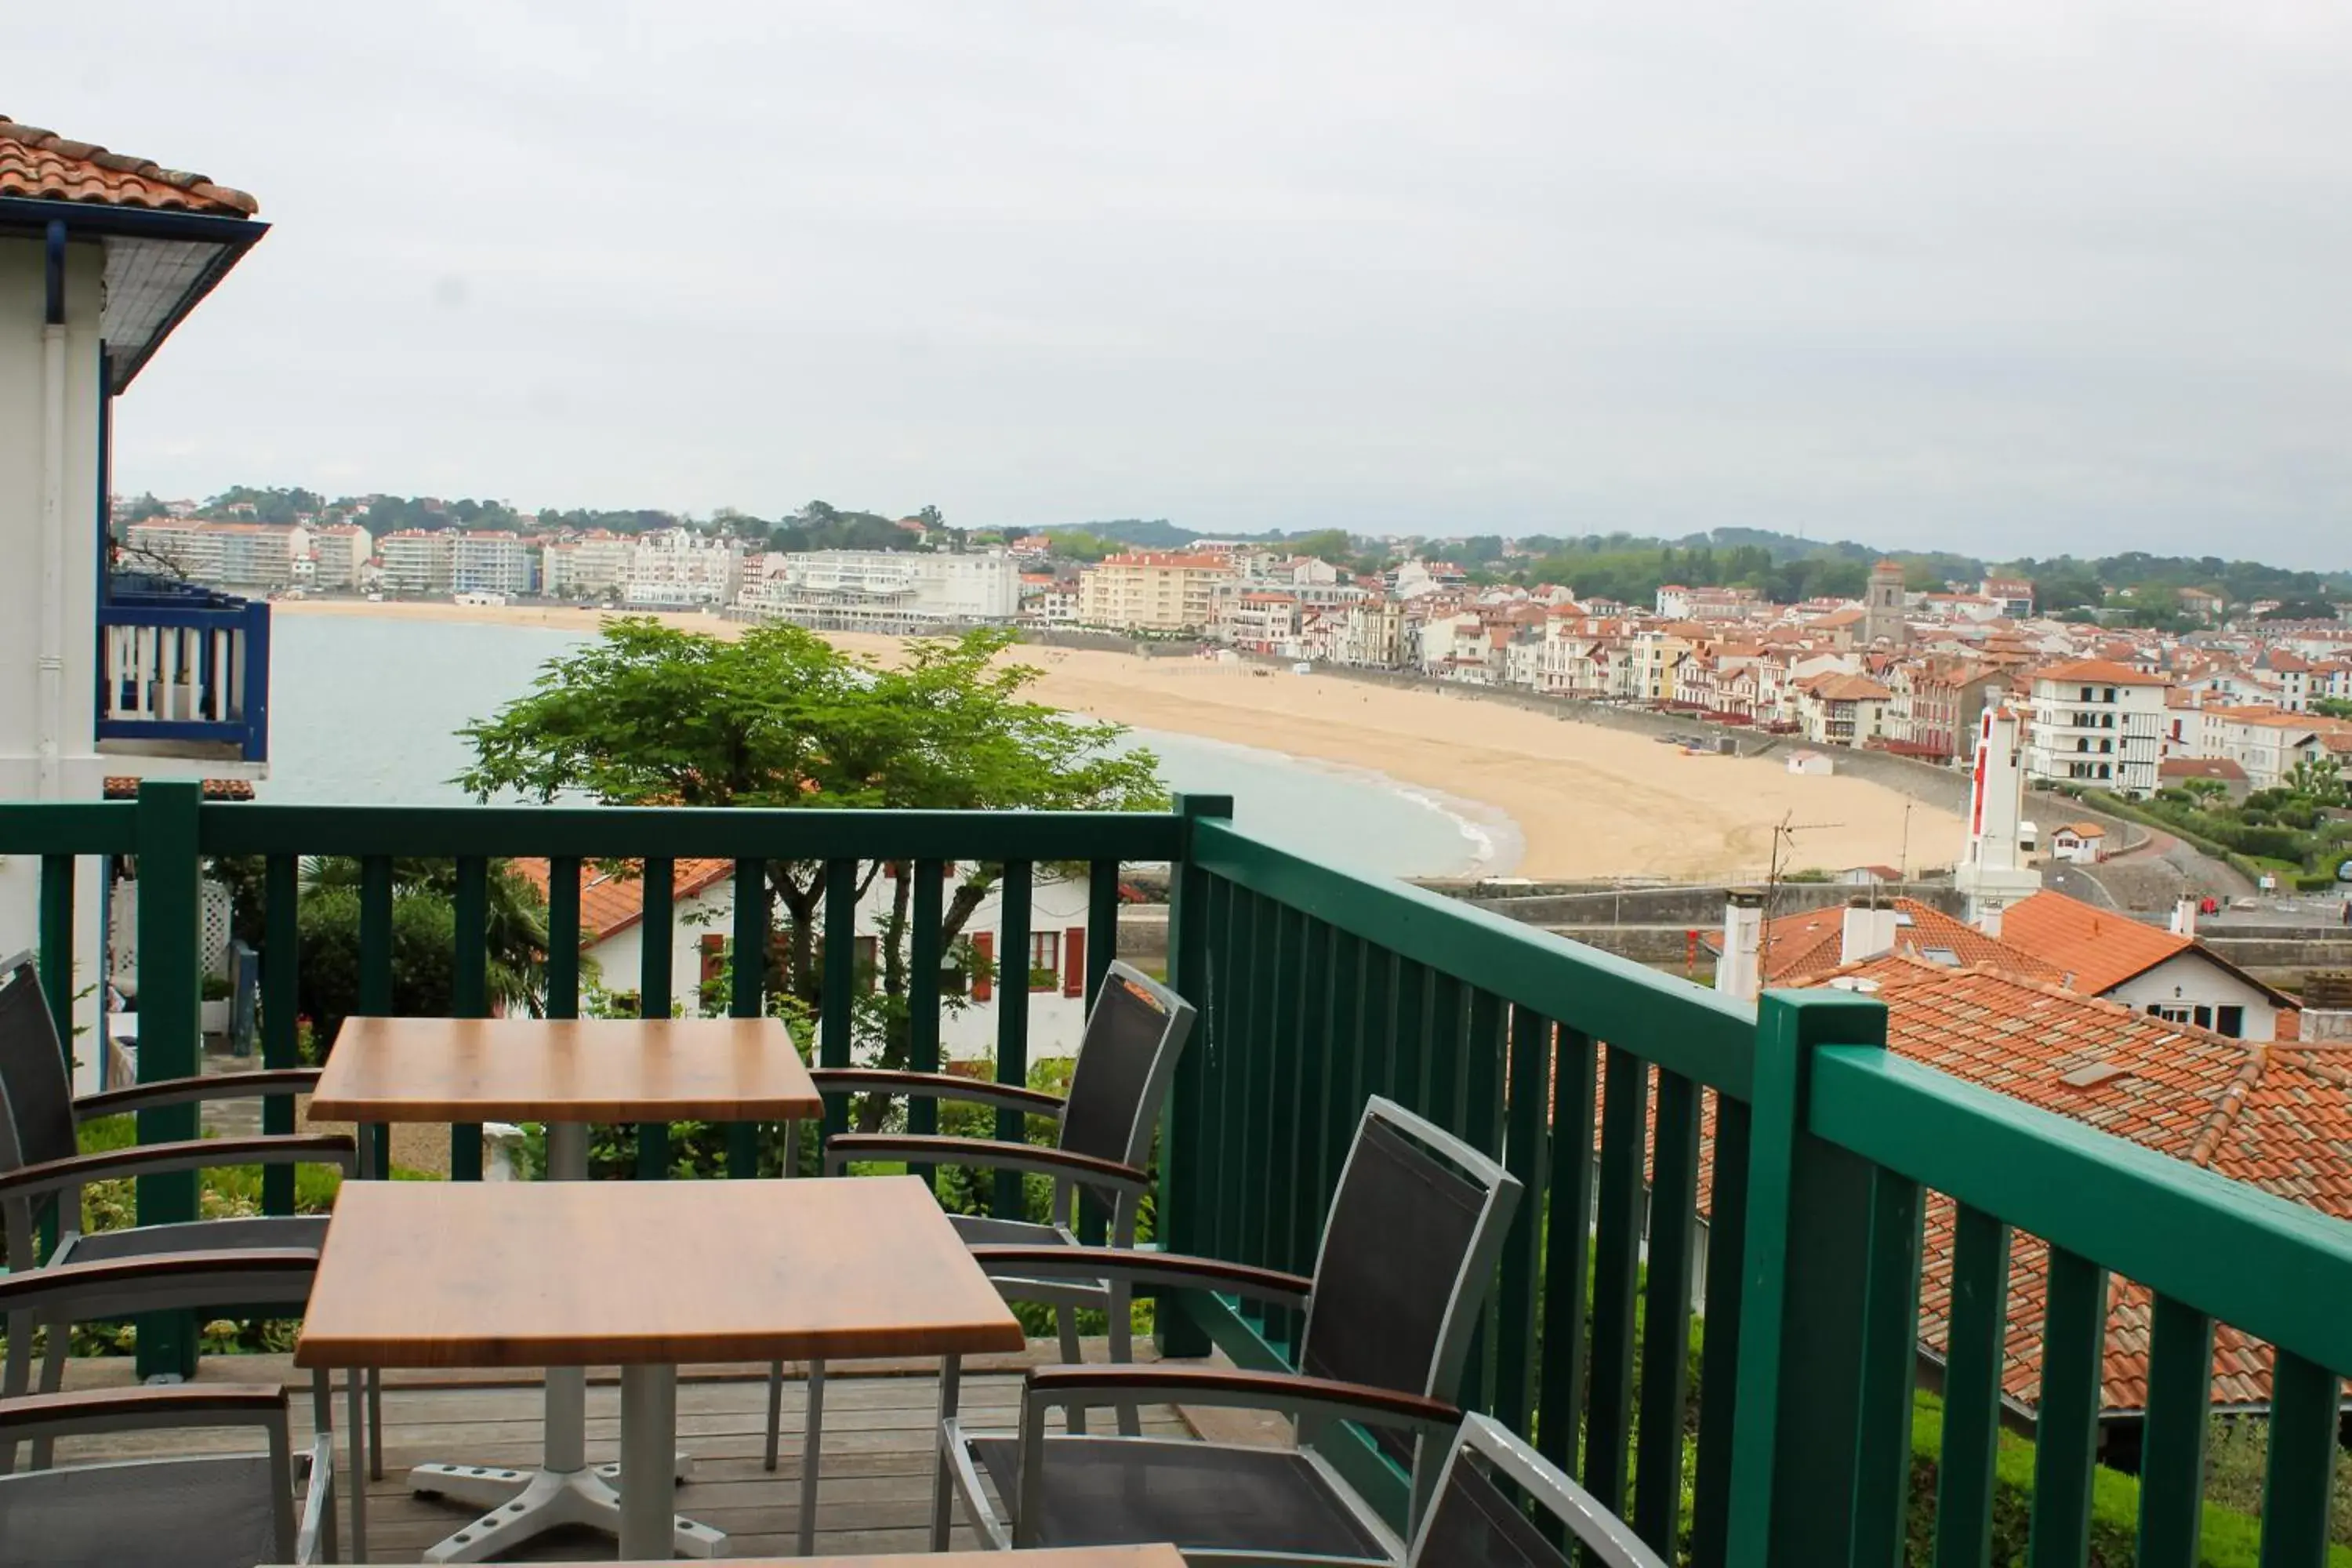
(586, 564)
(1150, 591)
(1262, 621)
(1842, 710)
(677, 568)
(417, 562)
(229, 554)
(883, 590)
(493, 562)
(2096, 722)
(339, 556)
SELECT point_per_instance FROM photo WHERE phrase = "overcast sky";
(2001, 276)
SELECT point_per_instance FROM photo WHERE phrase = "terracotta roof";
(122, 787)
(610, 902)
(2099, 949)
(2273, 1115)
(2104, 671)
(2199, 768)
(1801, 947)
(43, 164)
(1846, 689)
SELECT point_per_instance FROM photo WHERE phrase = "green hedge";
(2231, 1540)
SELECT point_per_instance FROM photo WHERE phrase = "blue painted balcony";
(184, 671)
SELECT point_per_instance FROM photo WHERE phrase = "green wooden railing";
(1656, 1125)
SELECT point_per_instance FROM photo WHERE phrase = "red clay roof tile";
(43, 164)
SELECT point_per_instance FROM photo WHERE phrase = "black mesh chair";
(1471, 1523)
(1134, 1037)
(1408, 1255)
(213, 1510)
(42, 1171)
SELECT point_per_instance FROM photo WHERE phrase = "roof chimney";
(2184, 916)
(1988, 920)
(1736, 974)
(1868, 930)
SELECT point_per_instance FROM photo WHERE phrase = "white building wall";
(2192, 980)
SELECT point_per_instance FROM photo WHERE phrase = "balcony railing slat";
(2172, 1440)
(470, 993)
(1527, 1093)
(1482, 1124)
(1727, 1241)
(1102, 923)
(1409, 1037)
(657, 943)
(1617, 1260)
(839, 1007)
(1011, 1021)
(1975, 1340)
(375, 974)
(563, 936)
(2066, 1430)
(1442, 1082)
(1311, 1090)
(1228, 1018)
(926, 909)
(170, 1041)
(1264, 1049)
(2307, 1406)
(1349, 1035)
(1890, 1347)
(281, 940)
(1568, 1249)
(56, 937)
(748, 989)
(1666, 1312)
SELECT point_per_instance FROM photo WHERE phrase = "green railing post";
(838, 1004)
(1183, 1180)
(470, 993)
(57, 969)
(1007, 1200)
(280, 1032)
(170, 1041)
(657, 942)
(747, 975)
(1799, 1424)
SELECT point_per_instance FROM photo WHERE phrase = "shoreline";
(1582, 800)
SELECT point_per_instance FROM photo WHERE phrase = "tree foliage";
(649, 714)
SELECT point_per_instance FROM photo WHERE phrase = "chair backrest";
(1409, 1252)
(1135, 1035)
(1471, 1523)
(36, 1085)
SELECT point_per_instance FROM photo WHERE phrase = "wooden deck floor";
(873, 1494)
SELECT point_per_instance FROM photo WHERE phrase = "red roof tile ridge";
(2224, 1114)
(45, 170)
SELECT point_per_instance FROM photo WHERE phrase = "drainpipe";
(52, 693)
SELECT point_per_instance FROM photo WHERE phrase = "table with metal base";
(518, 1505)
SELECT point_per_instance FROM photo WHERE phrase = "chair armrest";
(935, 1086)
(189, 1154)
(97, 1410)
(164, 1281)
(1168, 1269)
(997, 1153)
(181, 1090)
(1053, 1387)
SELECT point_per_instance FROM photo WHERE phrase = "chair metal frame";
(62, 1294)
(1607, 1541)
(1126, 1182)
(27, 1188)
(1309, 1402)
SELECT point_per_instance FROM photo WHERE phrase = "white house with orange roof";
(2096, 723)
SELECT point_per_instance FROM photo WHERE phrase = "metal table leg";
(520, 1504)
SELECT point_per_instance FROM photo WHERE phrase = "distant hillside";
(1144, 533)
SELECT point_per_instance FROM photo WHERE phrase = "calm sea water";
(367, 711)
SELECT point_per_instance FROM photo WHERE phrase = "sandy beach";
(1587, 801)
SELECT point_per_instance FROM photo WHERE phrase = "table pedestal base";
(520, 1504)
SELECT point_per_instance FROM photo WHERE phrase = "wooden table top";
(564, 1070)
(1051, 1557)
(535, 1274)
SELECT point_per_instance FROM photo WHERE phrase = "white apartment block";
(230, 555)
(493, 562)
(338, 555)
(1153, 592)
(415, 562)
(677, 568)
(883, 590)
(586, 564)
(2268, 742)
(2096, 723)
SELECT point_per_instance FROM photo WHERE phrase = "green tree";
(648, 714)
(1329, 544)
(2316, 781)
(424, 939)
